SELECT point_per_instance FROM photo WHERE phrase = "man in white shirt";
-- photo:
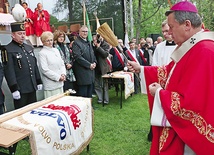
(164, 49)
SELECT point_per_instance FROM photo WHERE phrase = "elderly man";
(163, 52)
(84, 63)
(20, 68)
(41, 22)
(181, 93)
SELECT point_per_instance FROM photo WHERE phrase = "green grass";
(116, 131)
(120, 131)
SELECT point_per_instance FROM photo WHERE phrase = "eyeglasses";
(50, 40)
(84, 31)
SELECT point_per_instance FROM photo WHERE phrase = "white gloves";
(16, 95)
(39, 86)
(125, 69)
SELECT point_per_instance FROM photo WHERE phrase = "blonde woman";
(52, 66)
(59, 38)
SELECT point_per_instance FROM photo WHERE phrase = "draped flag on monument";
(59, 126)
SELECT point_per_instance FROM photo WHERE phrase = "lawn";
(116, 131)
(120, 131)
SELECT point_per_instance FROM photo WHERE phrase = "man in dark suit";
(133, 54)
(101, 49)
(118, 62)
(84, 63)
(20, 68)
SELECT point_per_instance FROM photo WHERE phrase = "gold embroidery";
(162, 76)
(198, 121)
(163, 137)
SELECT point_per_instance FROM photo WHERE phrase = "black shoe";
(149, 137)
(135, 92)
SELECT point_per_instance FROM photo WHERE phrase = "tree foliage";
(105, 9)
(148, 14)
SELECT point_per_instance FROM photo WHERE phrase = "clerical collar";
(180, 51)
(172, 43)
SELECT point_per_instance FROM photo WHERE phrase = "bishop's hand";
(133, 67)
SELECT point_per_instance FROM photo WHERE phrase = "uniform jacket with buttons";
(20, 67)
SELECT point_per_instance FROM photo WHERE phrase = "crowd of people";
(169, 70)
(61, 66)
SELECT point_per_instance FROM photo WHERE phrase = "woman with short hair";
(52, 66)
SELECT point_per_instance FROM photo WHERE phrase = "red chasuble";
(41, 22)
(187, 101)
(28, 25)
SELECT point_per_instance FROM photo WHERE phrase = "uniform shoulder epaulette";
(4, 56)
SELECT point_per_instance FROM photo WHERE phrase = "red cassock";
(29, 24)
(187, 101)
(41, 22)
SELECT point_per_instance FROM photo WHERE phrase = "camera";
(98, 39)
(146, 45)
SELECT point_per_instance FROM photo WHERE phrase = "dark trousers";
(25, 99)
(68, 85)
(136, 84)
(1, 109)
(85, 90)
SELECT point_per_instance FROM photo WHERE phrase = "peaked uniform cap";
(182, 6)
(17, 26)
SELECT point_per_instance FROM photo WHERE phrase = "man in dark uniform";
(20, 68)
(1, 93)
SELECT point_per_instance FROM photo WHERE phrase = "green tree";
(104, 9)
(148, 14)
(53, 20)
(206, 11)
(112, 9)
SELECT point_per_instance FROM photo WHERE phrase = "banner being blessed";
(61, 127)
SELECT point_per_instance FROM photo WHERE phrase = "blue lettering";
(34, 112)
(43, 114)
(60, 121)
(62, 134)
(53, 115)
